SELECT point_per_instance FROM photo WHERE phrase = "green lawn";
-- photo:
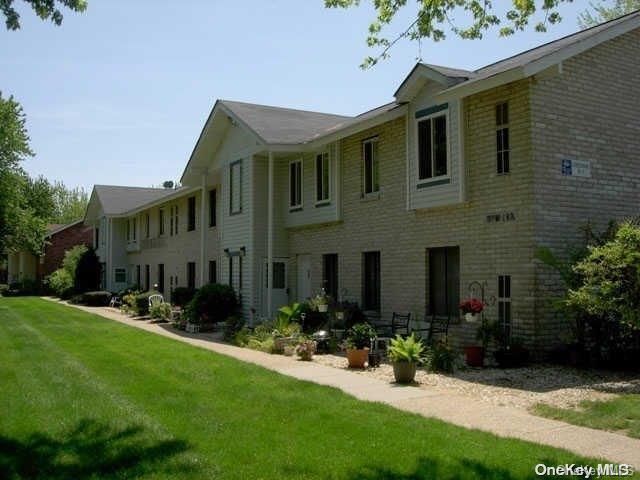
(621, 415)
(84, 397)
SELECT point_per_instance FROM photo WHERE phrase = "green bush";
(96, 299)
(22, 288)
(440, 357)
(212, 303)
(160, 311)
(3, 288)
(232, 326)
(180, 296)
(60, 282)
(87, 272)
(142, 302)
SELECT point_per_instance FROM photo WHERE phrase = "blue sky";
(119, 94)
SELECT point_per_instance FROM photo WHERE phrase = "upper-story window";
(147, 225)
(295, 184)
(502, 138)
(173, 220)
(160, 222)
(371, 168)
(191, 214)
(97, 239)
(235, 187)
(433, 155)
(212, 207)
(131, 230)
(322, 178)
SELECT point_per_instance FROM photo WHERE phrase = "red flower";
(472, 306)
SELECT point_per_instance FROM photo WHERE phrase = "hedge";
(142, 302)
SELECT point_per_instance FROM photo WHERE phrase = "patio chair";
(399, 325)
(115, 302)
(155, 300)
(437, 325)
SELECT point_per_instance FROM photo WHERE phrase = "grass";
(83, 397)
(621, 414)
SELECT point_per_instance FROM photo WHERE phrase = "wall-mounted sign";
(576, 168)
(501, 217)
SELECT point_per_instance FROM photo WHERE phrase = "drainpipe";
(270, 236)
(203, 229)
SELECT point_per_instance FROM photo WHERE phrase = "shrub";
(22, 288)
(180, 296)
(232, 326)
(214, 302)
(142, 302)
(60, 282)
(72, 258)
(96, 299)
(129, 302)
(440, 357)
(3, 288)
(241, 338)
(160, 311)
(87, 272)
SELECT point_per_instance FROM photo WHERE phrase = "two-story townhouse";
(443, 194)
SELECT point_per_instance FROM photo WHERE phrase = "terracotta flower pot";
(404, 372)
(357, 358)
(475, 356)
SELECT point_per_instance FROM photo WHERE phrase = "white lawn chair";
(156, 299)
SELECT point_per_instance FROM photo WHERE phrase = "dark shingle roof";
(283, 125)
(116, 200)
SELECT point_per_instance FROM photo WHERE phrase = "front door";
(279, 290)
(304, 277)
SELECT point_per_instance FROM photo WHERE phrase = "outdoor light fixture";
(243, 251)
(226, 252)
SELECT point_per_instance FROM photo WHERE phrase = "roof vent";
(167, 184)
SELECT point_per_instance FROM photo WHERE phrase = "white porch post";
(270, 236)
(203, 229)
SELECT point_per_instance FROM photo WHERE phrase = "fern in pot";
(405, 354)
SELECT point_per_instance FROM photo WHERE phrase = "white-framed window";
(370, 166)
(235, 187)
(502, 138)
(323, 177)
(120, 275)
(128, 230)
(295, 184)
(147, 225)
(433, 146)
(173, 220)
(161, 222)
(134, 223)
(504, 306)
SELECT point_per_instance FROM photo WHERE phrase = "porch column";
(203, 229)
(270, 235)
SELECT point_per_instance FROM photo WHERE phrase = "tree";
(69, 203)
(87, 272)
(604, 11)
(433, 15)
(45, 9)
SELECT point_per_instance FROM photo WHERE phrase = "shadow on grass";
(90, 450)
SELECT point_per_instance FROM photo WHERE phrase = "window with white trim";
(322, 178)
(432, 147)
(502, 138)
(120, 275)
(235, 187)
(504, 305)
(295, 184)
(370, 167)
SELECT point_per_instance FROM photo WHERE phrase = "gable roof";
(277, 125)
(117, 200)
(54, 228)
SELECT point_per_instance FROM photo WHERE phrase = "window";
(371, 182)
(504, 305)
(147, 225)
(161, 277)
(322, 178)
(330, 274)
(235, 187)
(212, 208)
(147, 277)
(432, 147)
(191, 214)
(213, 271)
(191, 275)
(97, 239)
(120, 275)
(278, 280)
(444, 281)
(235, 272)
(161, 222)
(173, 220)
(295, 184)
(134, 223)
(138, 283)
(128, 230)
(371, 281)
(502, 138)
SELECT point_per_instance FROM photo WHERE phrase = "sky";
(119, 94)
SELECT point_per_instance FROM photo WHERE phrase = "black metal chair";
(399, 325)
(437, 325)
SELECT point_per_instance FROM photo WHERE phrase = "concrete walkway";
(437, 403)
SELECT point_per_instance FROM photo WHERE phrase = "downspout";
(203, 229)
(270, 235)
(463, 163)
(407, 159)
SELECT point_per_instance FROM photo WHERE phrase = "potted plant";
(305, 349)
(405, 354)
(475, 353)
(321, 302)
(358, 342)
(471, 309)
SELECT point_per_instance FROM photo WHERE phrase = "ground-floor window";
(213, 274)
(330, 274)
(444, 281)
(120, 275)
(235, 272)
(191, 275)
(147, 277)
(504, 305)
(138, 283)
(371, 281)
(161, 277)
(103, 275)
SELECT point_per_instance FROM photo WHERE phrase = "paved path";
(437, 403)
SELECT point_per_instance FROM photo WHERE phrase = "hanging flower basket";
(471, 309)
(471, 317)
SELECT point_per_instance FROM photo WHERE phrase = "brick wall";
(59, 243)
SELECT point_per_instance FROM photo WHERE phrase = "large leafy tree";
(45, 9)
(69, 203)
(605, 11)
(432, 17)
